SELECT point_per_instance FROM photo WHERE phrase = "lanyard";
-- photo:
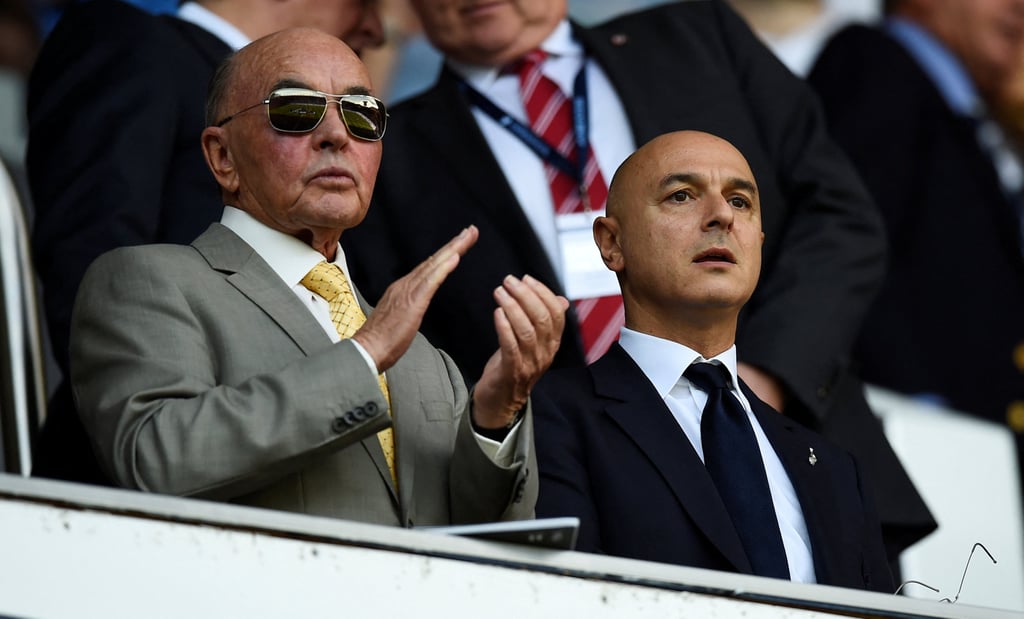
(536, 143)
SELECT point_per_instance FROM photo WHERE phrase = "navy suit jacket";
(611, 453)
(116, 107)
(686, 65)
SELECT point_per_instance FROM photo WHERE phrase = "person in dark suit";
(687, 65)
(225, 370)
(906, 99)
(628, 443)
(115, 110)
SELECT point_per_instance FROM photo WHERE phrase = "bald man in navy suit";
(625, 443)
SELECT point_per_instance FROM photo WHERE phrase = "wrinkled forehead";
(323, 64)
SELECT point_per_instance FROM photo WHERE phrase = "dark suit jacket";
(950, 317)
(116, 108)
(611, 453)
(215, 381)
(688, 65)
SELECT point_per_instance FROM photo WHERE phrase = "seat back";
(966, 470)
(22, 378)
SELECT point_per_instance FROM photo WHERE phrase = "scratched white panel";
(56, 562)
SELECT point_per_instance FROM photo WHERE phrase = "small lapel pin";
(619, 39)
(811, 457)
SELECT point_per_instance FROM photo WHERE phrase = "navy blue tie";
(734, 462)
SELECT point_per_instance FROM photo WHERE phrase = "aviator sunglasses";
(300, 110)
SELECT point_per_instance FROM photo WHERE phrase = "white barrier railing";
(68, 550)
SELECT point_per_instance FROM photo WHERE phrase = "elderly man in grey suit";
(225, 370)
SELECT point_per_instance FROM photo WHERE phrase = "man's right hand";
(391, 327)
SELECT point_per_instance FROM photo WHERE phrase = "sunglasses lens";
(296, 113)
(364, 116)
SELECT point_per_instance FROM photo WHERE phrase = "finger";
(535, 308)
(456, 247)
(428, 276)
(556, 304)
(521, 323)
(507, 341)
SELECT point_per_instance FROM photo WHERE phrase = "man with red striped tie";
(519, 136)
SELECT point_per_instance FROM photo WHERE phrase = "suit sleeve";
(820, 280)
(102, 125)
(482, 490)
(163, 418)
(564, 477)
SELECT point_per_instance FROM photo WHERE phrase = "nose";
(332, 133)
(718, 213)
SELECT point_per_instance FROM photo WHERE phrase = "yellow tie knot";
(326, 280)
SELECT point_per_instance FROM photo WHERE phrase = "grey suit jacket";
(198, 372)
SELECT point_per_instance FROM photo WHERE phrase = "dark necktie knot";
(708, 376)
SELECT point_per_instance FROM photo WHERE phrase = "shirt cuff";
(503, 453)
(366, 357)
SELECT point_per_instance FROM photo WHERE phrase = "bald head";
(261, 57)
(639, 173)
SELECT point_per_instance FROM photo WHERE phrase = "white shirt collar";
(560, 44)
(664, 361)
(215, 24)
(289, 257)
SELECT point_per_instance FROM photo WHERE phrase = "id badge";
(585, 274)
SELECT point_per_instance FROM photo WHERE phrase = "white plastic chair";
(22, 379)
(966, 470)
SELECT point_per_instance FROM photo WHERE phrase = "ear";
(606, 236)
(217, 152)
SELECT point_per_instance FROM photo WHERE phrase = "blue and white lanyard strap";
(537, 144)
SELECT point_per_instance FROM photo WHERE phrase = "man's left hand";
(529, 320)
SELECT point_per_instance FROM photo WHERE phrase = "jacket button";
(822, 392)
(518, 495)
(371, 408)
(339, 425)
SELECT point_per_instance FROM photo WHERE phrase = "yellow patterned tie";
(328, 281)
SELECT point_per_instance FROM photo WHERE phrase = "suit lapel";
(253, 277)
(638, 410)
(619, 58)
(810, 478)
(478, 171)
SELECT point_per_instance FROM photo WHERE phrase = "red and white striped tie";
(550, 114)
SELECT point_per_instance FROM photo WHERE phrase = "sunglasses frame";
(328, 99)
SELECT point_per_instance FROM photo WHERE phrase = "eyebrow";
(293, 83)
(734, 182)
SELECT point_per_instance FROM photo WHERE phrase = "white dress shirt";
(663, 362)
(214, 24)
(610, 134)
(292, 259)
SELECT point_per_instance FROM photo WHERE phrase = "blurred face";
(488, 32)
(310, 185)
(683, 230)
(987, 35)
(356, 22)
